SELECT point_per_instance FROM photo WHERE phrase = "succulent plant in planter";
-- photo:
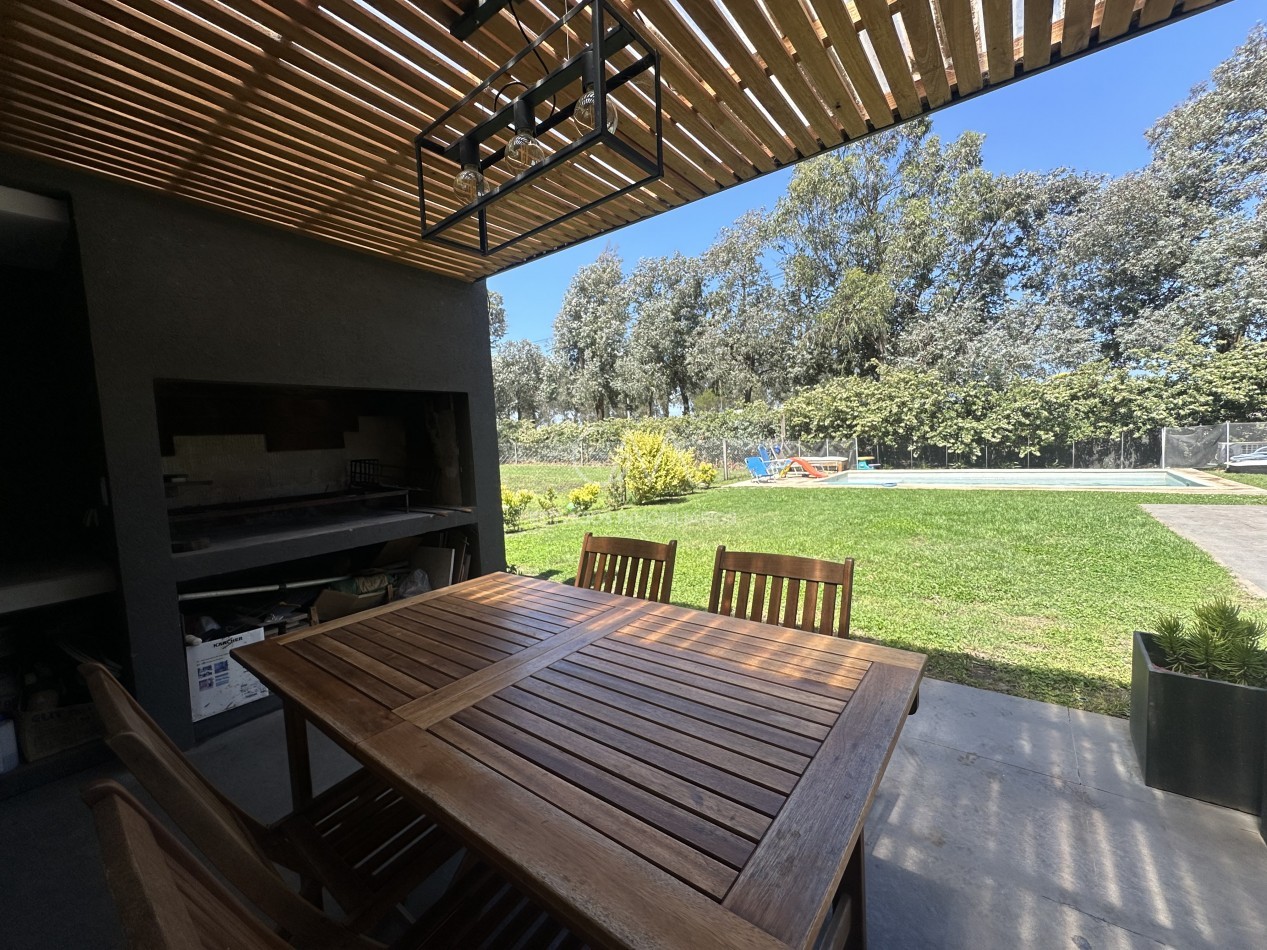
(1199, 705)
(1222, 644)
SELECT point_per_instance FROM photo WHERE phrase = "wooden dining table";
(655, 775)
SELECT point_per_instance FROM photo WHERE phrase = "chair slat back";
(230, 838)
(167, 899)
(798, 592)
(627, 566)
(158, 764)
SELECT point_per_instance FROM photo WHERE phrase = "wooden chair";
(359, 839)
(169, 900)
(742, 580)
(627, 566)
(769, 587)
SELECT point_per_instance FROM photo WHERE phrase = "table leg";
(297, 755)
(300, 782)
(846, 927)
(854, 883)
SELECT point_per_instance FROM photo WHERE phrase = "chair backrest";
(764, 453)
(627, 566)
(863, 466)
(230, 838)
(167, 899)
(799, 592)
(756, 467)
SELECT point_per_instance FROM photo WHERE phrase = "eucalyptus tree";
(590, 335)
(1025, 338)
(496, 318)
(1122, 260)
(1180, 247)
(519, 373)
(901, 228)
(666, 297)
(741, 349)
(1211, 152)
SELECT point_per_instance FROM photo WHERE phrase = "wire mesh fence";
(573, 463)
(728, 455)
(1211, 446)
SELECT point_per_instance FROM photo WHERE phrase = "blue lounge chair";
(758, 469)
(774, 465)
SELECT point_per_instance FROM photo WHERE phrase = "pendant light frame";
(443, 155)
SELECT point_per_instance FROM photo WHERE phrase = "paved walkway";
(1234, 535)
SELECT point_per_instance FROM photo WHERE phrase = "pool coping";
(1209, 483)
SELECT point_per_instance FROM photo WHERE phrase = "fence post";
(1227, 442)
(1121, 449)
(725, 466)
(1163, 446)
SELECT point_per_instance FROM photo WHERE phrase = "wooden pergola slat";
(302, 115)
(1037, 48)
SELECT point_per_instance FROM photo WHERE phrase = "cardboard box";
(217, 682)
(48, 731)
(333, 604)
(437, 562)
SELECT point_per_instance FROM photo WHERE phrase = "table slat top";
(726, 766)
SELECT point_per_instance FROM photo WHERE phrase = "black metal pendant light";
(467, 166)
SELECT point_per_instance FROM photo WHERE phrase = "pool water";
(1018, 478)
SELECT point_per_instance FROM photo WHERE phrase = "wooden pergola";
(301, 114)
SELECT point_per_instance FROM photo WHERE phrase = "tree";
(496, 318)
(589, 335)
(519, 372)
(667, 299)
(880, 238)
(741, 352)
(1027, 338)
(1122, 259)
(1180, 248)
(1212, 147)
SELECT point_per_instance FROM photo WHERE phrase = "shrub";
(1220, 645)
(705, 475)
(549, 503)
(584, 498)
(514, 504)
(652, 467)
(617, 496)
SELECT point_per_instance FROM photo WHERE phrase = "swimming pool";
(1017, 478)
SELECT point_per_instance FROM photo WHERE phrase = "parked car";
(1259, 454)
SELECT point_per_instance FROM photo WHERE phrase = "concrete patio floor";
(1001, 823)
(1234, 535)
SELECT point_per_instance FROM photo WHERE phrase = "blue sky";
(1089, 114)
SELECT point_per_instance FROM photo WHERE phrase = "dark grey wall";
(176, 291)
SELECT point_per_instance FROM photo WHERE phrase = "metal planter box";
(1197, 737)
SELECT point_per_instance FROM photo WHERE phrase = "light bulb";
(523, 151)
(469, 184)
(586, 106)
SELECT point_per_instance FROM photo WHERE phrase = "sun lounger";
(758, 468)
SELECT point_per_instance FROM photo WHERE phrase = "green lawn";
(1258, 481)
(537, 477)
(1033, 593)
